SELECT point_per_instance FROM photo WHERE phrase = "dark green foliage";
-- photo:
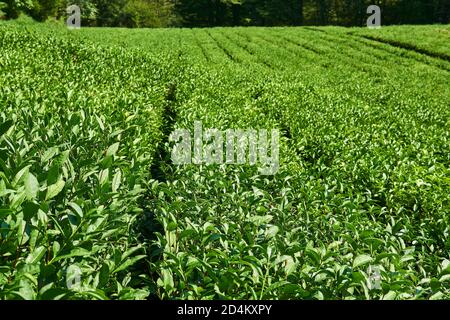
(41, 10)
(309, 12)
(207, 13)
(12, 8)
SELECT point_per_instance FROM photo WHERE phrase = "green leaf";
(54, 294)
(129, 252)
(21, 175)
(76, 208)
(96, 294)
(362, 260)
(133, 294)
(5, 126)
(100, 123)
(78, 252)
(50, 153)
(288, 264)
(116, 181)
(167, 279)
(5, 212)
(437, 296)
(272, 232)
(36, 255)
(103, 176)
(444, 278)
(55, 189)
(26, 290)
(313, 255)
(129, 263)
(112, 150)
(391, 295)
(57, 163)
(31, 186)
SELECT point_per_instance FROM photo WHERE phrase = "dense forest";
(206, 13)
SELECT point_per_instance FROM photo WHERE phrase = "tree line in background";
(207, 13)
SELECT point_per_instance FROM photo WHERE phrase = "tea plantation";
(92, 207)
